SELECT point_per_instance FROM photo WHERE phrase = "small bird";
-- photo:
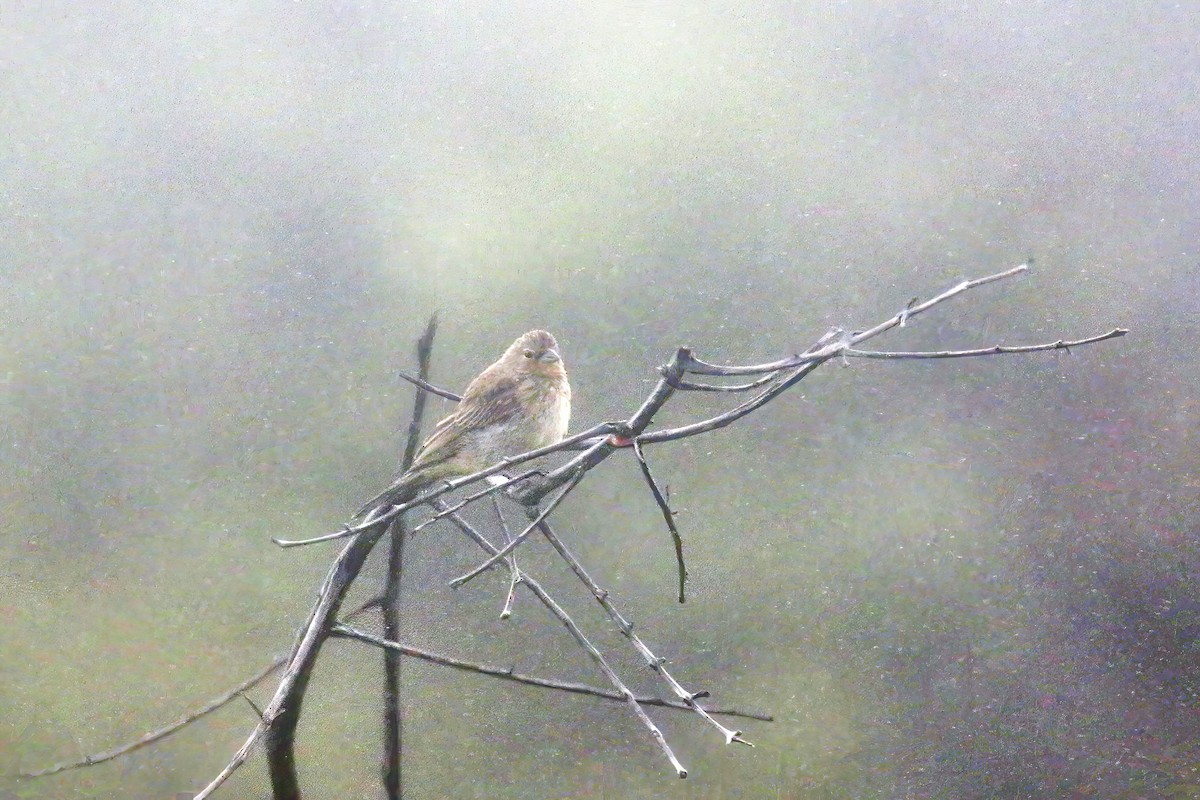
(519, 403)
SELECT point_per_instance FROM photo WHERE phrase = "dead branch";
(393, 719)
(565, 619)
(996, 350)
(514, 573)
(668, 515)
(509, 674)
(159, 734)
(278, 721)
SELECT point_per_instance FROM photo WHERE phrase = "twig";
(258, 711)
(999, 349)
(667, 513)
(529, 582)
(603, 429)
(429, 387)
(424, 354)
(508, 674)
(466, 501)
(159, 734)
(778, 387)
(167, 730)
(622, 434)
(698, 367)
(516, 540)
(689, 386)
(654, 662)
(515, 574)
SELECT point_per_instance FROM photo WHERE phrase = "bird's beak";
(550, 356)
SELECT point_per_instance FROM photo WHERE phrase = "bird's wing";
(484, 404)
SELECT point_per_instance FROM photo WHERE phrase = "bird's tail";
(406, 487)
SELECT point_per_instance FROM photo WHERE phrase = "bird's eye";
(529, 354)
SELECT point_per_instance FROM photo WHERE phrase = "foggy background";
(223, 226)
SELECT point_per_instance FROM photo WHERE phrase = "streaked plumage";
(519, 403)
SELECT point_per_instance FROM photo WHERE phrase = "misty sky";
(224, 226)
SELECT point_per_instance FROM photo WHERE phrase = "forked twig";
(654, 662)
(466, 501)
(569, 443)
(520, 537)
(529, 582)
(514, 573)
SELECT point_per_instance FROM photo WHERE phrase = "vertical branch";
(393, 721)
(280, 718)
(514, 573)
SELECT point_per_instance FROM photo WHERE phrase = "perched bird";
(519, 403)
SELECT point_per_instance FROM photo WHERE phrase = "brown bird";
(519, 403)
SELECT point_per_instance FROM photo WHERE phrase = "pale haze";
(222, 227)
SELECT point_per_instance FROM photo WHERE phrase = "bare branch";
(689, 386)
(562, 616)
(420, 383)
(514, 573)
(508, 674)
(569, 443)
(654, 662)
(283, 712)
(393, 719)
(219, 701)
(996, 350)
(698, 367)
(491, 490)
(508, 548)
(667, 513)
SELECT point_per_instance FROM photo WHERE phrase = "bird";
(519, 403)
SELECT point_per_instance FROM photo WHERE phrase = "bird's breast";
(548, 405)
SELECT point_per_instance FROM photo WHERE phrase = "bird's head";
(536, 353)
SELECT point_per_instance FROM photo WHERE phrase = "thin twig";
(603, 429)
(509, 674)
(161, 733)
(654, 662)
(429, 387)
(514, 573)
(698, 367)
(167, 730)
(257, 711)
(999, 349)
(466, 501)
(516, 540)
(530, 583)
(621, 436)
(667, 513)
(690, 386)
